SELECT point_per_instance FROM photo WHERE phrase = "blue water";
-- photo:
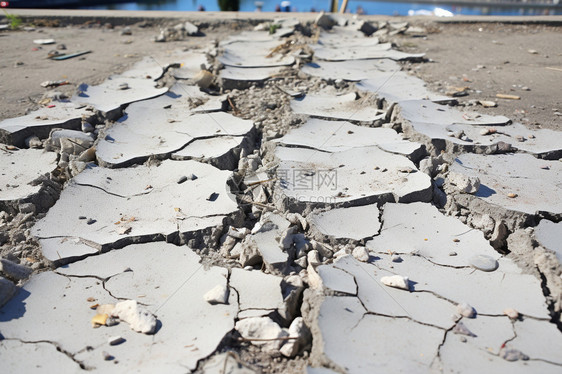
(368, 6)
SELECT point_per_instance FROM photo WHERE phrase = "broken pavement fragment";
(257, 301)
(377, 51)
(40, 122)
(420, 229)
(162, 126)
(531, 179)
(22, 170)
(397, 86)
(350, 70)
(169, 280)
(250, 54)
(342, 223)
(111, 95)
(235, 77)
(334, 136)
(344, 337)
(345, 107)
(356, 177)
(123, 208)
(548, 235)
(223, 152)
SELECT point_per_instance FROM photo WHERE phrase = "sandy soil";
(519, 60)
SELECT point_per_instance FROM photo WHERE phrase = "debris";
(511, 354)
(7, 290)
(396, 281)
(361, 254)
(461, 329)
(512, 195)
(511, 313)
(508, 97)
(533, 51)
(466, 310)
(203, 79)
(488, 103)
(14, 271)
(44, 41)
(69, 56)
(217, 295)
(138, 318)
(99, 319)
(49, 84)
(262, 331)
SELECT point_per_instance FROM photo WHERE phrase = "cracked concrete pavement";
(294, 202)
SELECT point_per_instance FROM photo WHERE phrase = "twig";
(232, 105)
(509, 97)
(555, 69)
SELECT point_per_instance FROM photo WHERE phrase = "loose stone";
(483, 262)
(396, 281)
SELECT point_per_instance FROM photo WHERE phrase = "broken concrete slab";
(505, 287)
(420, 229)
(346, 107)
(515, 182)
(274, 256)
(547, 348)
(349, 70)
(116, 91)
(237, 78)
(345, 337)
(169, 266)
(548, 235)
(222, 152)
(358, 176)
(397, 86)
(122, 208)
(380, 299)
(480, 353)
(342, 223)
(147, 68)
(428, 112)
(335, 136)
(376, 51)
(29, 357)
(266, 298)
(21, 171)
(138, 135)
(254, 54)
(334, 279)
(65, 115)
(190, 64)
(262, 331)
(544, 143)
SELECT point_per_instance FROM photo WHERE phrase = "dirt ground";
(488, 58)
(519, 60)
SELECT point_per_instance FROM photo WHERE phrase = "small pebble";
(452, 253)
(396, 258)
(461, 329)
(123, 86)
(82, 217)
(91, 221)
(107, 356)
(466, 310)
(182, 179)
(483, 262)
(512, 195)
(115, 340)
(511, 313)
(396, 281)
(456, 240)
(510, 354)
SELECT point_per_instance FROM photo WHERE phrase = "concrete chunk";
(345, 107)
